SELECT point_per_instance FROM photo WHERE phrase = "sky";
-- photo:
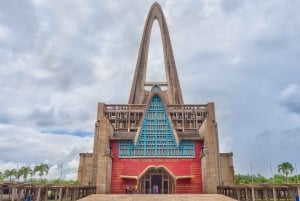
(59, 58)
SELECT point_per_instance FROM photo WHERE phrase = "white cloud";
(290, 91)
(4, 32)
(26, 147)
(290, 98)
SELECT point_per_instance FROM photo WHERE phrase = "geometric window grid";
(156, 138)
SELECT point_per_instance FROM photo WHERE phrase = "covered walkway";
(261, 192)
(40, 192)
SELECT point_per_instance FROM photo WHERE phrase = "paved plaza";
(151, 197)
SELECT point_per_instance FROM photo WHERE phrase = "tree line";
(284, 170)
(24, 172)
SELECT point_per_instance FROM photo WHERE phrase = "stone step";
(152, 197)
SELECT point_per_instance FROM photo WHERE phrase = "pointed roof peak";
(156, 4)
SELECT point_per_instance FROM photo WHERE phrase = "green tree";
(41, 169)
(33, 181)
(242, 179)
(277, 179)
(10, 173)
(260, 179)
(25, 171)
(43, 181)
(18, 174)
(285, 168)
(57, 181)
(74, 182)
(1, 176)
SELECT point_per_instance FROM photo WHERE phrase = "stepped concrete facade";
(156, 143)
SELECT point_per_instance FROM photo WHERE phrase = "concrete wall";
(102, 156)
(210, 157)
(85, 170)
(227, 170)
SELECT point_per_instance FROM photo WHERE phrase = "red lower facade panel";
(156, 175)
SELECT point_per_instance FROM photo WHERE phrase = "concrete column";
(1, 193)
(253, 193)
(238, 193)
(55, 194)
(38, 197)
(246, 194)
(46, 194)
(274, 194)
(102, 159)
(210, 161)
(60, 194)
(19, 194)
(22, 193)
(265, 194)
(67, 194)
(13, 194)
(75, 195)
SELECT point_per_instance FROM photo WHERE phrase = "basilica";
(156, 143)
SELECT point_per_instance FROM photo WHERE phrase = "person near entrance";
(155, 189)
(136, 189)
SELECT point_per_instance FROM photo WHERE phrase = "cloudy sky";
(59, 58)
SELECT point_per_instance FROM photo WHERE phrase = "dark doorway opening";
(156, 184)
(156, 181)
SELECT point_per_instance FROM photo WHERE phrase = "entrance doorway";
(156, 181)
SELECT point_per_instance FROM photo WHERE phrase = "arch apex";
(156, 4)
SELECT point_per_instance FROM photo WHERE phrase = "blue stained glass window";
(156, 138)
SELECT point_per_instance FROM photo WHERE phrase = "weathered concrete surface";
(151, 197)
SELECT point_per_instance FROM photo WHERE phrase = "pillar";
(253, 193)
(265, 194)
(13, 194)
(102, 157)
(67, 193)
(60, 193)
(210, 160)
(246, 194)
(38, 197)
(46, 194)
(1, 192)
(274, 194)
(238, 194)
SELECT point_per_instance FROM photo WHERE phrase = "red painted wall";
(178, 166)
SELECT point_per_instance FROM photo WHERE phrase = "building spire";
(137, 89)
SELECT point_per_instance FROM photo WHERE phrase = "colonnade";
(262, 192)
(39, 192)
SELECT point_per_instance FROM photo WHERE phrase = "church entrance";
(156, 181)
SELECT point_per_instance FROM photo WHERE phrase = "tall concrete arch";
(137, 89)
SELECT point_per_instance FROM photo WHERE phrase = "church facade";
(156, 143)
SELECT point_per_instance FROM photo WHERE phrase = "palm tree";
(25, 171)
(42, 168)
(286, 168)
(10, 173)
(18, 174)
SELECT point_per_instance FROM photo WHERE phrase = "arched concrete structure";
(137, 89)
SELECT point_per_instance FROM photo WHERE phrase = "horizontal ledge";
(128, 177)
